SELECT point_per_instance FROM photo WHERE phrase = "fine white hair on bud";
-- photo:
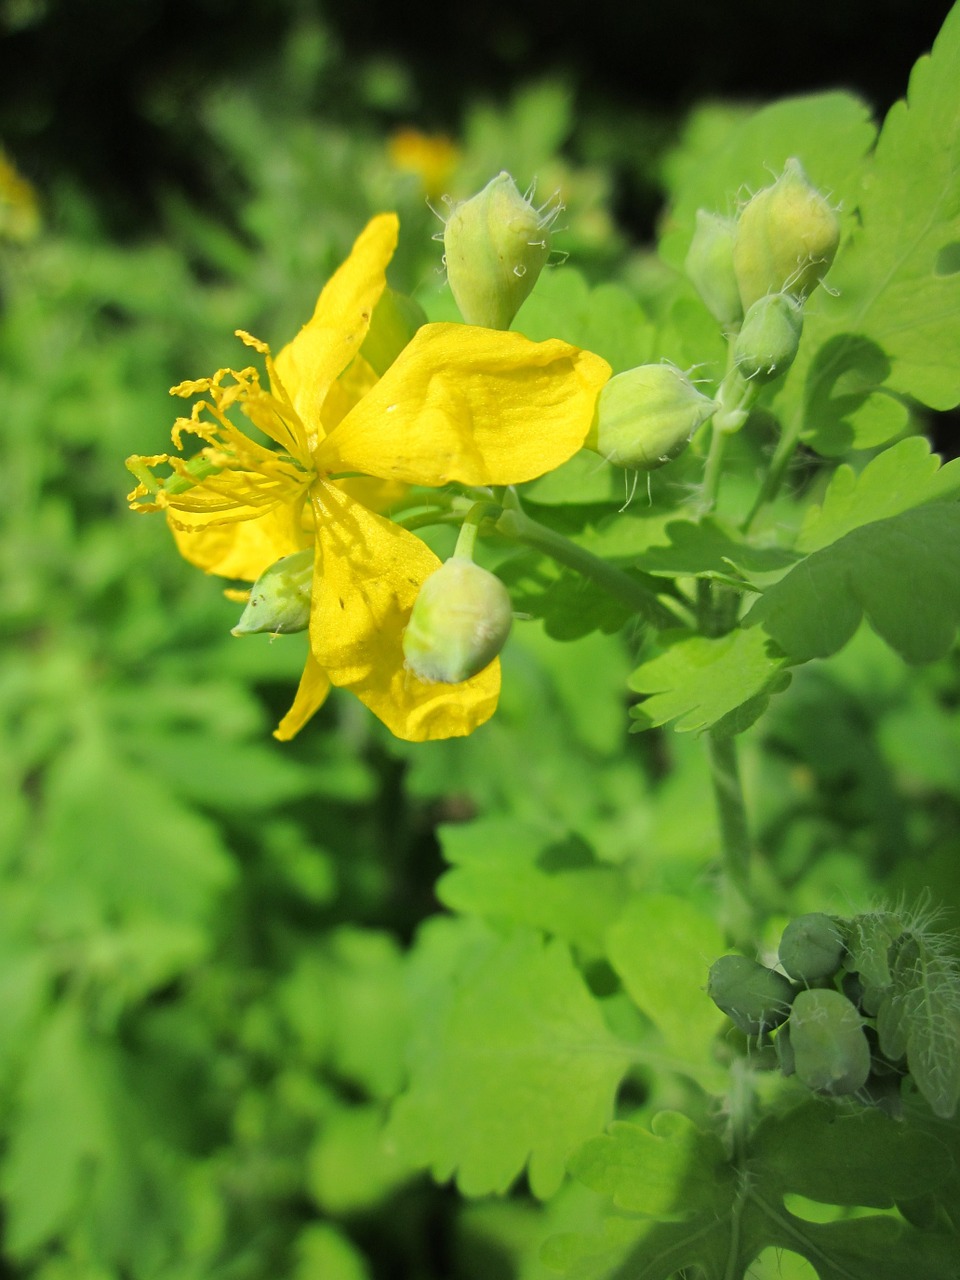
(459, 623)
(495, 246)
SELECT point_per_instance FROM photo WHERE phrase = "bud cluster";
(861, 1004)
(783, 242)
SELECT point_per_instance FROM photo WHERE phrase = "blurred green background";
(203, 966)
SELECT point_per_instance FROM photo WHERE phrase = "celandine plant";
(811, 304)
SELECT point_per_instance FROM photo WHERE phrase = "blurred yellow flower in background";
(458, 404)
(432, 157)
(19, 207)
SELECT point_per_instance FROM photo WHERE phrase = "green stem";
(518, 526)
(786, 447)
(734, 836)
(479, 512)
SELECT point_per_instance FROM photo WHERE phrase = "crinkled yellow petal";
(311, 695)
(470, 404)
(327, 343)
(367, 576)
(349, 389)
(244, 547)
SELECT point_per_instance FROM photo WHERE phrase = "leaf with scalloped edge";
(514, 1066)
(885, 544)
(683, 1202)
(723, 683)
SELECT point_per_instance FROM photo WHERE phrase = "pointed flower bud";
(460, 622)
(768, 342)
(280, 598)
(495, 245)
(709, 265)
(787, 237)
(647, 416)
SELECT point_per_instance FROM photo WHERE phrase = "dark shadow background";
(80, 77)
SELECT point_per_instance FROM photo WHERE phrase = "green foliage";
(236, 1034)
(686, 1203)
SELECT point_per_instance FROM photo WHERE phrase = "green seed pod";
(831, 1052)
(495, 246)
(709, 265)
(396, 318)
(811, 947)
(787, 237)
(785, 1054)
(768, 342)
(647, 416)
(754, 997)
(280, 598)
(460, 622)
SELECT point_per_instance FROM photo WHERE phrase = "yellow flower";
(459, 404)
(19, 208)
(432, 157)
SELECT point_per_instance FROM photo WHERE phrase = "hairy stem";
(519, 527)
(735, 849)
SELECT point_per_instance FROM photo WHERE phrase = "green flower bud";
(495, 245)
(754, 997)
(871, 938)
(812, 947)
(647, 416)
(709, 265)
(787, 237)
(396, 318)
(768, 342)
(280, 598)
(460, 622)
(831, 1052)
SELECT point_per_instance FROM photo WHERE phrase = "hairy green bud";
(647, 416)
(811, 947)
(495, 246)
(754, 997)
(831, 1052)
(709, 266)
(787, 237)
(870, 939)
(280, 598)
(459, 623)
(768, 342)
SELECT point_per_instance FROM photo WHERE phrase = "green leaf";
(902, 572)
(662, 947)
(711, 548)
(692, 1206)
(905, 476)
(514, 1066)
(529, 874)
(324, 1251)
(605, 318)
(722, 683)
(898, 283)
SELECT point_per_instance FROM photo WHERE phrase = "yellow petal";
(327, 343)
(242, 548)
(473, 405)
(311, 694)
(367, 576)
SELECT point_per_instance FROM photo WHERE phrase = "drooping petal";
(368, 574)
(311, 695)
(245, 545)
(327, 343)
(470, 404)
